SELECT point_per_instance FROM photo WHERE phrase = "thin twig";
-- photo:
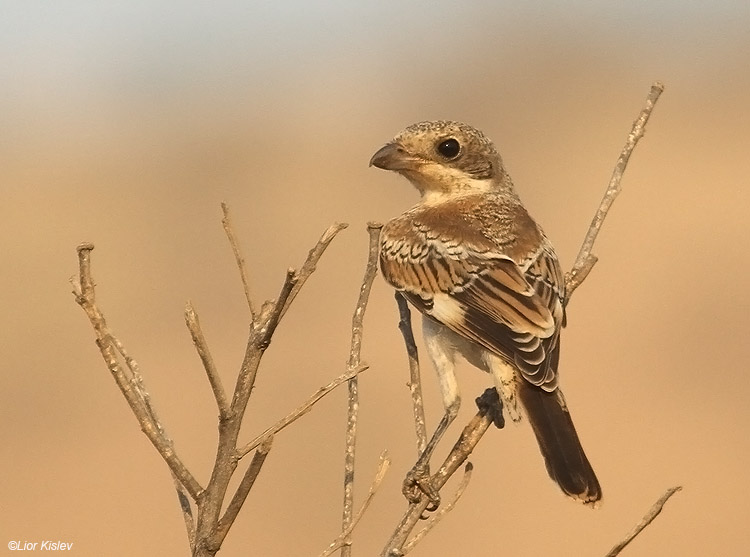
(271, 314)
(312, 260)
(187, 512)
(269, 327)
(227, 224)
(586, 259)
(647, 519)
(415, 381)
(260, 337)
(343, 540)
(136, 382)
(300, 411)
(246, 484)
(444, 509)
(371, 270)
(131, 386)
(199, 340)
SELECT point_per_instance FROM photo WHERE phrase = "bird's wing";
(513, 309)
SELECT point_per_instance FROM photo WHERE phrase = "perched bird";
(489, 286)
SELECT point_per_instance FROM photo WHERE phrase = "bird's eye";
(449, 148)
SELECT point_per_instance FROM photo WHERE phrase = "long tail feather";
(563, 454)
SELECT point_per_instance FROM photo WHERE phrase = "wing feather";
(512, 309)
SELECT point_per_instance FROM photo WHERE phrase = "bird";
(489, 286)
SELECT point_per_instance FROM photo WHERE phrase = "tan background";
(126, 125)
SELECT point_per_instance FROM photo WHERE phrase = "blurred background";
(127, 123)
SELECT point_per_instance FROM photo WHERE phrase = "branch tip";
(586, 260)
(647, 519)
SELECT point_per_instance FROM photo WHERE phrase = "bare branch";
(260, 337)
(196, 333)
(371, 270)
(227, 224)
(415, 381)
(136, 381)
(645, 521)
(187, 512)
(271, 314)
(303, 409)
(313, 257)
(343, 540)
(274, 316)
(130, 384)
(586, 259)
(251, 474)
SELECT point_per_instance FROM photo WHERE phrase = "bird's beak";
(393, 156)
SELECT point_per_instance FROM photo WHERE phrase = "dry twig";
(246, 484)
(226, 222)
(300, 411)
(187, 512)
(371, 270)
(648, 518)
(311, 263)
(343, 540)
(201, 346)
(586, 260)
(415, 382)
(128, 379)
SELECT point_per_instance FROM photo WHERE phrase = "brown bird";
(489, 286)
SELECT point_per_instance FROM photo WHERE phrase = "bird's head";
(443, 158)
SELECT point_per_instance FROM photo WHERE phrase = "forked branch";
(128, 378)
(208, 527)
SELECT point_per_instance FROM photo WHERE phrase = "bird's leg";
(417, 480)
(441, 348)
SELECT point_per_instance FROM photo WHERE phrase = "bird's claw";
(418, 484)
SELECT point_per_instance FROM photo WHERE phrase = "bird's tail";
(563, 454)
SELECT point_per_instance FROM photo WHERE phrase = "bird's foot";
(491, 404)
(418, 484)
